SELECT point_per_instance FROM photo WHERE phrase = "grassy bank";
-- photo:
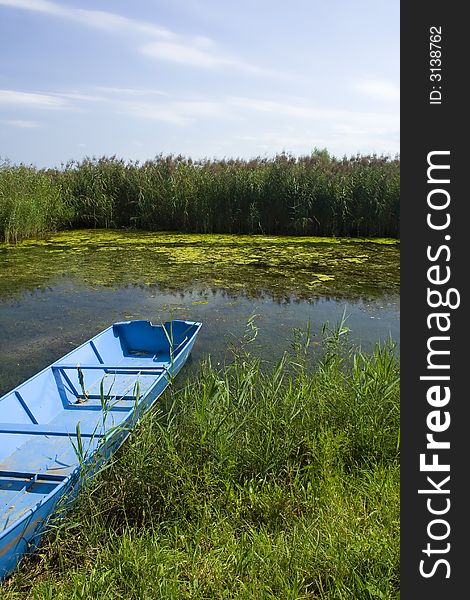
(310, 195)
(246, 483)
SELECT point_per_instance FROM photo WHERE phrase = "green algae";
(323, 277)
(355, 259)
(284, 266)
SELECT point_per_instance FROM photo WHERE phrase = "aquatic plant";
(30, 203)
(280, 267)
(309, 195)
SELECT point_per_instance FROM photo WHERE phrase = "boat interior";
(48, 422)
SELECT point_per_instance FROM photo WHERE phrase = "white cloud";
(164, 45)
(34, 5)
(91, 18)
(175, 112)
(116, 23)
(80, 96)
(203, 53)
(22, 124)
(130, 91)
(156, 105)
(302, 109)
(143, 104)
(248, 125)
(30, 99)
(182, 54)
(296, 126)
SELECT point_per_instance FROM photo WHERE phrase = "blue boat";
(58, 427)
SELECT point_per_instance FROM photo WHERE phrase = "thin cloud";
(203, 55)
(80, 96)
(181, 113)
(304, 110)
(22, 124)
(149, 104)
(184, 112)
(191, 51)
(34, 5)
(342, 131)
(182, 54)
(156, 105)
(107, 94)
(30, 99)
(92, 18)
(130, 91)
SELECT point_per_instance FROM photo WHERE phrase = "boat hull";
(149, 356)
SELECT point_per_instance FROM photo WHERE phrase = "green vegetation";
(312, 195)
(245, 483)
(31, 204)
(280, 266)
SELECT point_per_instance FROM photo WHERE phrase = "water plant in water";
(31, 203)
(316, 194)
(280, 266)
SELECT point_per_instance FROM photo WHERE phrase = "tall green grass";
(310, 195)
(246, 483)
(31, 203)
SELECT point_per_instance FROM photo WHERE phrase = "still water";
(57, 292)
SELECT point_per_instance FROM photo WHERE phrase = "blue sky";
(202, 78)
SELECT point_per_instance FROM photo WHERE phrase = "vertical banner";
(434, 325)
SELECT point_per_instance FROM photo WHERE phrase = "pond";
(59, 291)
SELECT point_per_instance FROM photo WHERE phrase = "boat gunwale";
(20, 385)
(43, 500)
(118, 429)
(56, 362)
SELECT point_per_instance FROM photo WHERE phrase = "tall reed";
(31, 203)
(310, 195)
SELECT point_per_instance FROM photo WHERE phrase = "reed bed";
(31, 204)
(247, 482)
(310, 195)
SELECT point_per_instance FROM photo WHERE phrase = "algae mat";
(303, 267)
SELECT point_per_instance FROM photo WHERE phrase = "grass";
(248, 482)
(317, 195)
(31, 204)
